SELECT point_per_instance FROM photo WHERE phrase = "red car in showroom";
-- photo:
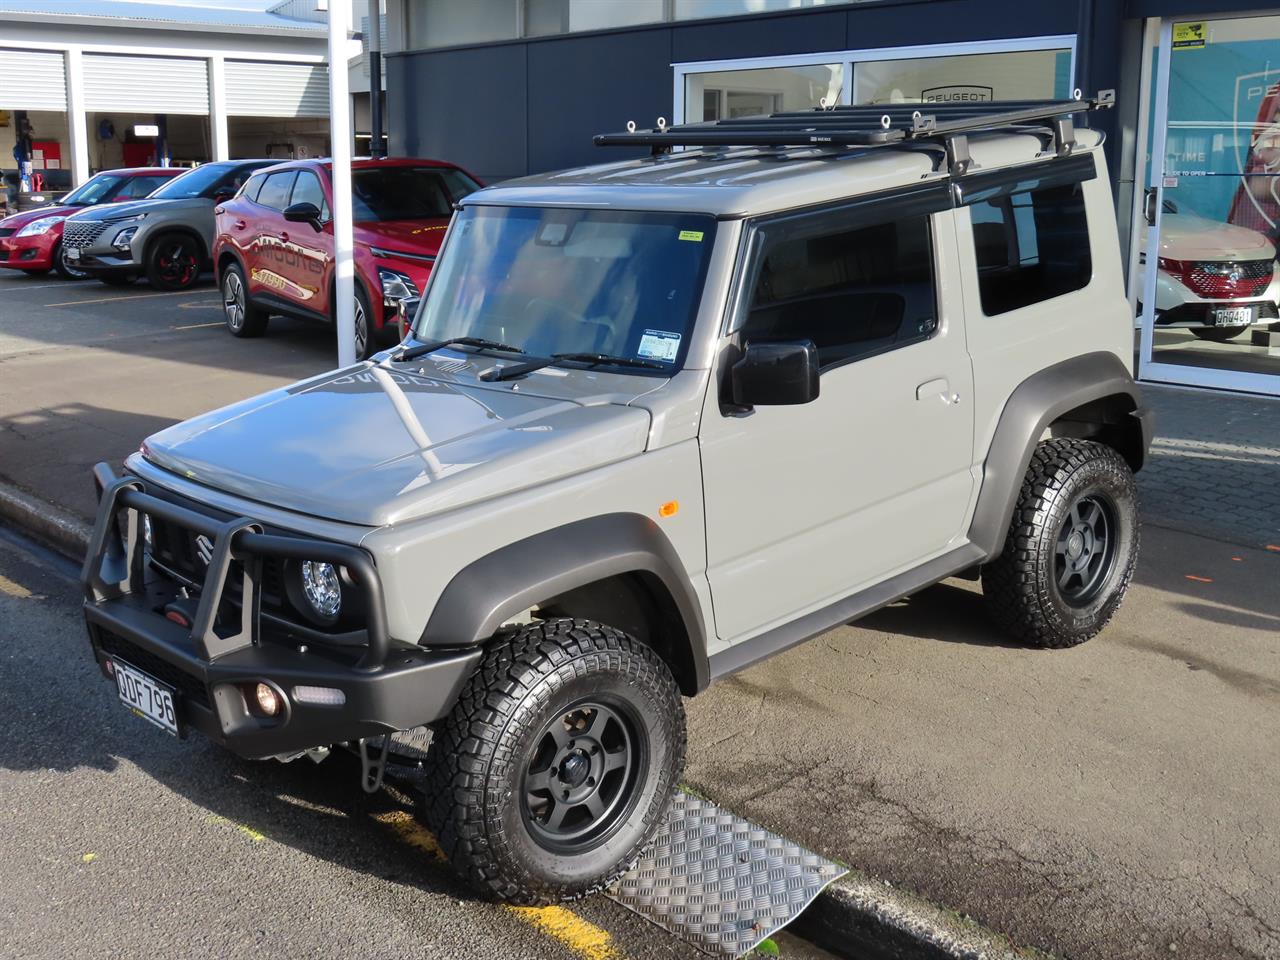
(31, 241)
(274, 248)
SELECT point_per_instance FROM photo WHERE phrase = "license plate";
(146, 696)
(1231, 316)
(73, 253)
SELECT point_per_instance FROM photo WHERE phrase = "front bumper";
(1199, 313)
(385, 687)
(106, 260)
(27, 253)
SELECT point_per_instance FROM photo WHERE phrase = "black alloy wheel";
(174, 262)
(1086, 550)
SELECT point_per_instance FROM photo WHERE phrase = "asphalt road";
(120, 841)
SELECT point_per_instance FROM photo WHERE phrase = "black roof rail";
(870, 126)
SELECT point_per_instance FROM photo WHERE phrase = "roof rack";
(872, 126)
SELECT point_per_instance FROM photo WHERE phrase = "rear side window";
(138, 187)
(1031, 246)
(276, 188)
(854, 292)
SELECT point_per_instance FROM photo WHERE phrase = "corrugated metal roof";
(159, 14)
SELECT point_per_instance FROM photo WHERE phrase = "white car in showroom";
(1215, 279)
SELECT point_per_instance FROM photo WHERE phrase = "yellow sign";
(694, 235)
(1189, 36)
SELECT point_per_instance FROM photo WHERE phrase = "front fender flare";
(491, 590)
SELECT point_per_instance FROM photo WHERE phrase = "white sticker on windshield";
(659, 345)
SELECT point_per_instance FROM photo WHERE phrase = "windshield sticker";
(694, 235)
(659, 345)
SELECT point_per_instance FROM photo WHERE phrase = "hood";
(20, 220)
(118, 211)
(373, 446)
(1185, 236)
(411, 236)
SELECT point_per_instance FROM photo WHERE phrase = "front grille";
(7, 232)
(174, 547)
(1229, 279)
(82, 234)
(188, 686)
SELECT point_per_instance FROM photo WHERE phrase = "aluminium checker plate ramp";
(719, 882)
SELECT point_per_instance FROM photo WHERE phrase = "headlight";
(396, 285)
(321, 587)
(43, 225)
(123, 238)
(116, 221)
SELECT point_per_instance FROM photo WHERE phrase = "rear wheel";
(66, 269)
(173, 262)
(242, 317)
(365, 347)
(557, 764)
(1071, 547)
(1219, 334)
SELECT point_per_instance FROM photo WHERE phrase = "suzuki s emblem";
(204, 549)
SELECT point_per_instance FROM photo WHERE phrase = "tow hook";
(372, 768)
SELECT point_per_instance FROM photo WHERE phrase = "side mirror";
(304, 213)
(776, 373)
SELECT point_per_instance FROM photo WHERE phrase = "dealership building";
(512, 87)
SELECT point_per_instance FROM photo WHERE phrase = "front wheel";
(1219, 334)
(65, 268)
(173, 262)
(242, 317)
(1071, 547)
(557, 765)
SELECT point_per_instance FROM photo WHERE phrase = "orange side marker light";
(1199, 579)
(669, 509)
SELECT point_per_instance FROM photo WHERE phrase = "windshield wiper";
(422, 349)
(591, 359)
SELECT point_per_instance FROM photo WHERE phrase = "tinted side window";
(138, 187)
(275, 190)
(1031, 246)
(252, 186)
(852, 291)
(307, 189)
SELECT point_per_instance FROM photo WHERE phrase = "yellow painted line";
(412, 832)
(248, 831)
(584, 939)
(197, 326)
(136, 296)
(201, 305)
(12, 589)
(580, 937)
(89, 858)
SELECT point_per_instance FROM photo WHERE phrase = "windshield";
(622, 283)
(408, 193)
(194, 183)
(94, 191)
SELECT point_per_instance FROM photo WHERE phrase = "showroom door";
(1207, 280)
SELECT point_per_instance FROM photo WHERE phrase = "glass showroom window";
(697, 9)
(743, 93)
(545, 18)
(446, 23)
(1023, 75)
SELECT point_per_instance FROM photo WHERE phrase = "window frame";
(1028, 178)
(851, 214)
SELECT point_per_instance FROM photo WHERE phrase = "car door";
(267, 258)
(808, 504)
(310, 250)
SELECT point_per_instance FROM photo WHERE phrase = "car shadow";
(946, 612)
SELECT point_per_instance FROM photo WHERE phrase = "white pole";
(340, 140)
(218, 108)
(77, 120)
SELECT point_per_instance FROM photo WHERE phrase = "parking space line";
(197, 326)
(40, 286)
(136, 296)
(9, 588)
(581, 937)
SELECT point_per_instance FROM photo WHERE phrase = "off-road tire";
(1219, 334)
(63, 268)
(475, 798)
(1021, 586)
(242, 318)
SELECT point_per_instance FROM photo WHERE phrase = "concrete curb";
(872, 920)
(47, 522)
(855, 916)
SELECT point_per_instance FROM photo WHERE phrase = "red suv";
(274, 246)
(31, 241)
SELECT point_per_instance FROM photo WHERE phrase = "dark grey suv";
(166, 237)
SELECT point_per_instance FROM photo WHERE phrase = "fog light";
(109, 667)
(268, 700)
(324, 696)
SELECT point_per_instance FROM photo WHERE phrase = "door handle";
(285, 237)
(1149, 206)
(939, 387)
(239, 224)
